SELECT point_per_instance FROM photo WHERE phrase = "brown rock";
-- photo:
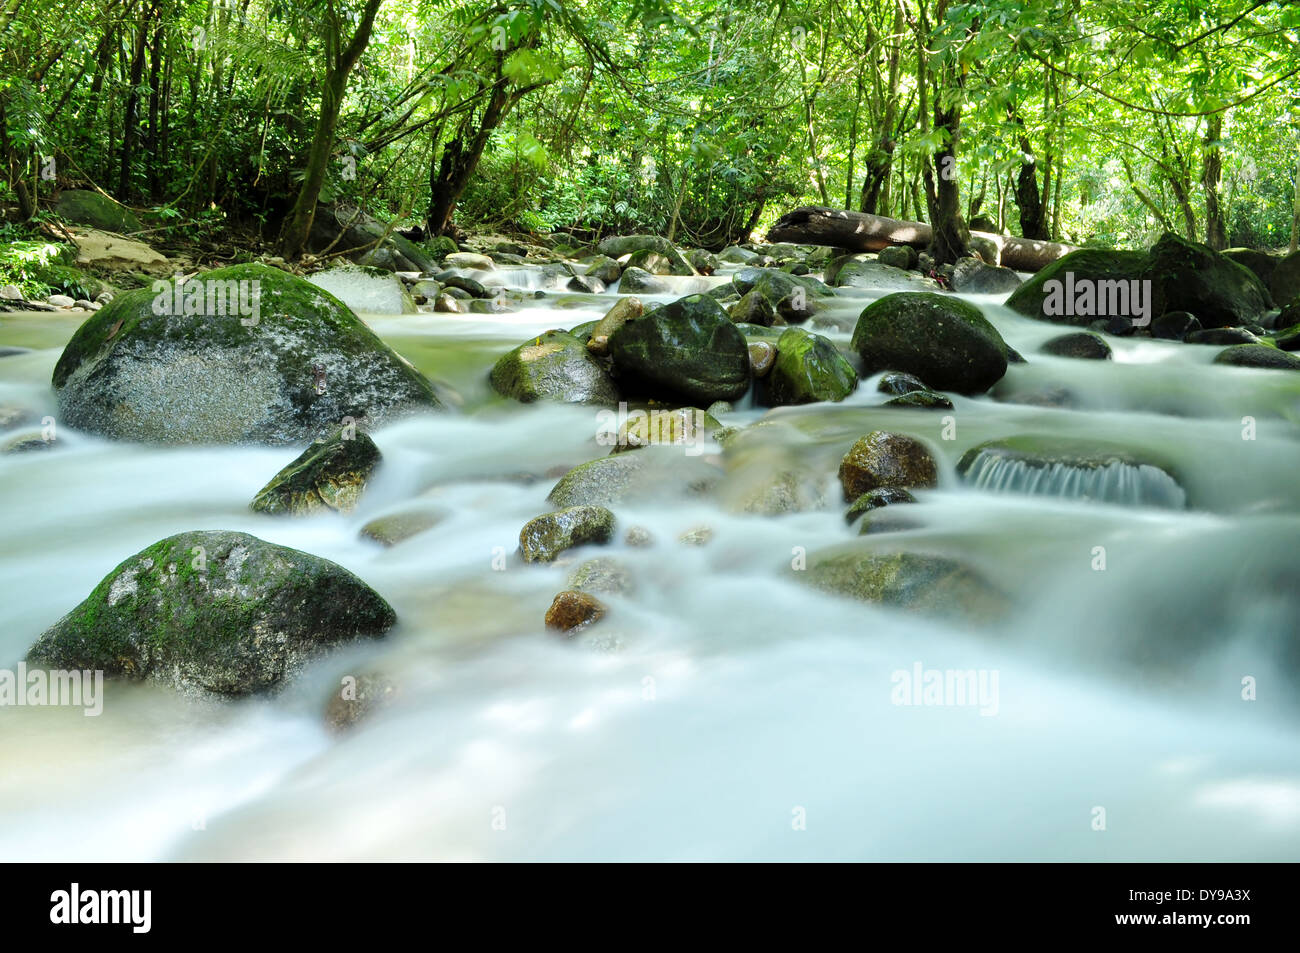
(886, 459)
(762, 355)
(573, 609)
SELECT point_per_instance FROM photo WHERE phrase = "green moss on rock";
(214, 611)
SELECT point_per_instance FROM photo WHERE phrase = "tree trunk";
(858, 231)
(297, 227)
(1216, 232)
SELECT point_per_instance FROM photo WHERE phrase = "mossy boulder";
(753, 308)
(299, 363)
(544, 538)
(882, 459)
(1284, 282)
(866, 273)
(689, 350)
(792, 297)
(214, 611)
(1184, 276)
(919, 582)
(638, 281)
(553, 366)
(1189, 276)
(83, 207)
(808, 368)
(944, 341)
(329, 476)
(616, 246)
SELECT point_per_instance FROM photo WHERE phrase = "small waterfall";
(1132, 484)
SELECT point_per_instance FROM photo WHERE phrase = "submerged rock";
(688, 349)
(944, 341)
(1258, 355)
(874, 499)
(1083, 345)
(299, 361)
(652, 473)
(882, 459)
(604, 574)
(1072, 469)
(545, 537)
(358, 697)
(214, 611)
(397, 527)
(921, 400)
(553, 366)
(328, 476)
(914, 581)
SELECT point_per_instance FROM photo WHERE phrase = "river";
(722, 710)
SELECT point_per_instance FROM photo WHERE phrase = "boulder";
(214, 611)
(808, 368)
(918, 582)
(83, 207)
(616, 246)
(544, 538)
(1284, 282)
(258, 356)
(1082, 344)
(972, 276)
(553, 366)
(329, 476)
(1258, 355)
(636, 281)
(687, 349)
(882, 459)
(944, 341)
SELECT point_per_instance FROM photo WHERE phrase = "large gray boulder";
(292, 364)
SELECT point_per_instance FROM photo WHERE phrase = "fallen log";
(859, 231)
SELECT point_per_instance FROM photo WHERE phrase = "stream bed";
(723, 710)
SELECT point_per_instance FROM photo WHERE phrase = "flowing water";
(722, 710)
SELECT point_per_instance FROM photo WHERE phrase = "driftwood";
(858, 231)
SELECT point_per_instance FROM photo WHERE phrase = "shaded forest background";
(1103, 122)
